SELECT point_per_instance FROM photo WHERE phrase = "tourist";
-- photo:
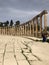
(44, 37)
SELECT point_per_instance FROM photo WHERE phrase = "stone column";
(28, 31)
(33, 26)
(22, 30)
(25, 29)
(7, 30)
(36, 27)
(1, 30)
(30, 28)
(45, 22)
(19, 30)
(16, 30)
(40, 24)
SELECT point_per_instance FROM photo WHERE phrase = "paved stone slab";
(9, 49)
(1, 50)
(38, 63)
(22, 51)
(9, 59)
(26, 51)
(20, 56)
(30, 56)
(22, 45)
(18, 50)
(1, 57)
(0, 63)
(23, 62)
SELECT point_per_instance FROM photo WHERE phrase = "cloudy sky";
(22, 10)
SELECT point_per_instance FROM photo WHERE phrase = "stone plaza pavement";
(22, 51)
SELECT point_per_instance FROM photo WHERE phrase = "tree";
(11, 23)
(1, 24)
(6, 23)
(17, 23)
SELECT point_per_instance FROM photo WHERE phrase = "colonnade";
(7, 31)
(32, 27)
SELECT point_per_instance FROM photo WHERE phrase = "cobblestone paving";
(22, 51)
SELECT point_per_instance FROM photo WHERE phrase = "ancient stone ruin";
(32, 27)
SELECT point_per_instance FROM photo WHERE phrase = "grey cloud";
(10, 13)
(21, 9)
(25, 4)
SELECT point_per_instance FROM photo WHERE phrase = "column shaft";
(40, 25)
(33, 26)
(45, 22)
(30, 28)
(36, 27)
(25, 29)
